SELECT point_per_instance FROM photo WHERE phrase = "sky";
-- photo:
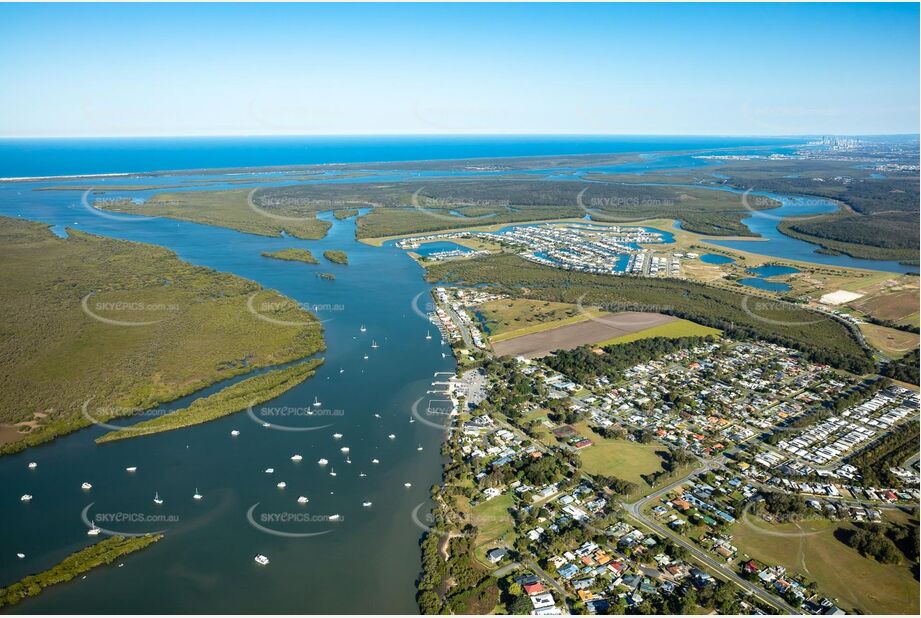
(284, 69)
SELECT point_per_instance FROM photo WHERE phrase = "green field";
(126, 326)
(624, 459)
(513, 317)
(231, 209)
(293, 255)
(495, 525)
(673, 330)
(858, 583)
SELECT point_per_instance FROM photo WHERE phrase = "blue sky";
(88, 70)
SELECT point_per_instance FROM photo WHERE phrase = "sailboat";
(316, 402)
(428, 335)
(196, 495)
(332, 472)
(373, 344)
(365, 357)
(419, 448)
(362, 328)
(157, 498)
(93, 531)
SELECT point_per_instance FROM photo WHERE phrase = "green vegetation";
(874, 461)
(584, 364)
(821, 338)
(869, 238)
(336, 256)
(904, 369)
(345, 213)
(619, 458)
(231, 209)
(674, 330)
(839, 571)
(104, 552)
(886, 543)
(293, 255)
(229, 400)
(513, 317)
(57, 357)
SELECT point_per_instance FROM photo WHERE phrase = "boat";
(362, 474)
(407, 484)
(376, 415)
(196, 495)
(332, 472)
(20, 555)
(235, 433)
(341, 370)
(260, 559)
(337, 435)
(365, 357)
(375, 461)
(93, 531)
(419, 448)
(281, 485)
(362, 328)
(270, 470)
(32, 465)
(131, 469)
(302, 500)
(26, 497)
(428, 335)
(296, 458)
(366, 503)
(316, 402)
(86, 486)
(392, 436)
(266, 425)
(323, 462)
(157, 498)
(335, 517)
(412, 420)
(344, 449)
(373, 344)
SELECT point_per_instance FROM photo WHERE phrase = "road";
(636, 511)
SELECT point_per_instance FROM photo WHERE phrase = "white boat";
(32, 465)
(348, 460)
(366, 503)
(269, 470)
(407, 484)
(392, 436)
(341, 370)
(26, 497)
(428, 335)
(362, 474)
(412, 420)
(344, 449)
(323, 462)
(373, 344)
(235, 433)
(443, 355)
(365, 357)
(93, 531)
(335, 517)
(337, 436)
(266, 425)
(296, 458)
(260, 559)
(376, 415)
(419, 448)
(281, 485)
(302, 500)
(86, 486)
(157, 498)
(375, 461)
(20, 555)
(196, 495)
(362, 328)
(131, 469)
(332, 472)
(316, 402)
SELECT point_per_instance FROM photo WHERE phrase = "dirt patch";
(572, 336)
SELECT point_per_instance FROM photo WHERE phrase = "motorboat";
(235, 433)
(281, 485)
(86, 486)
(302, 500)
(296, 458)
(323, 462)
(260, 559)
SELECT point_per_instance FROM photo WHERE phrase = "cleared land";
(674, 330)
(514, 317)
(857, 582)
(624, 459)
(892, 342)
(127, 325)
(605, 328)
(231, 209)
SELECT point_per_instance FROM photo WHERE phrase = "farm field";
(675, 330)
(569, 336)
(858, 583)
(514, 317)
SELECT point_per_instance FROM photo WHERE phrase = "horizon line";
(453, 135)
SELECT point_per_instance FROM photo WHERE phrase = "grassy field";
(892, 342)
(230, 209)
(513, 317)
(858, 583)
(126, 325)
(293, 255)
(674, 330)
(624, 459)
(495, 525)
(235, 398)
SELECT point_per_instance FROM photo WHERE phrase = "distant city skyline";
(476, 69)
